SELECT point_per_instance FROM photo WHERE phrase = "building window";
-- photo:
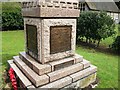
(82, 6)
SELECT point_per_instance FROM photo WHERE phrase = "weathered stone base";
(72, 72)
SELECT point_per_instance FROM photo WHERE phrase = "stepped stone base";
(69, 72)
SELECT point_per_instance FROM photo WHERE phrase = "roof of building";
(116, 0)
(103, 5)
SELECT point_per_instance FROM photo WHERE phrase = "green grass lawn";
(13, 43)
(107, 66)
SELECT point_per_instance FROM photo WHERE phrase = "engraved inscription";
(60, 39)
(31, 35)
(63, 65)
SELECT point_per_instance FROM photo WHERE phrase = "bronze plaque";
(31, 35)
(60, 39)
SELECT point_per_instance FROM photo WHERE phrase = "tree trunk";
(98, 43)
(90, 41)
(86, 40)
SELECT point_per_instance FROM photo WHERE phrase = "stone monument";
(50, 60)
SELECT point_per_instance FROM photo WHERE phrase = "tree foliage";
(119, 30)
(11, 16)
(116, 44)
(95, 26)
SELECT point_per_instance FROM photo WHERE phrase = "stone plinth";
(46, 43)
(50, 27)
(79, 74)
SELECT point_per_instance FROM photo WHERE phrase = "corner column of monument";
(49, 60)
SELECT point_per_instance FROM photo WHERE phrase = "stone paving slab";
(37, 67)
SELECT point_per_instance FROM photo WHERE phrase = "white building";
(95, 5)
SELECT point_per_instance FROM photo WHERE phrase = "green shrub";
(11, 16)
(95, 26)
(119, 30)
(86, 25)
(116, 44)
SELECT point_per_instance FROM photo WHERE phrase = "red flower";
(13, 79)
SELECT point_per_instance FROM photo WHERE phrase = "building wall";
(115, 16)
(83, 7)
(119, 17)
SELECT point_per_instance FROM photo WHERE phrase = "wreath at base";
(13, 79)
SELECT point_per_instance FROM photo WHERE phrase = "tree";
(119, 30)
(116, 45)
(105, 28)
(95, 26)
(86, 25)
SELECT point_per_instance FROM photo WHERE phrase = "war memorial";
(49, 60)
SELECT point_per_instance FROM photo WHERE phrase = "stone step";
(84, 73)
(55, 75)
(18, 72)
(18, 62)
(84, 77)
(55, 65)
(37, 67)
(81, 83)
(58, 73)
(33, 77)
(86, 63)
(78, 58)
(58, 84)
(68, 70)
(88, 73)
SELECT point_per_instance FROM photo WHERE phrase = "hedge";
(11, 16)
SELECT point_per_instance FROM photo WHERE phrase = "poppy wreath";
(13, 79)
